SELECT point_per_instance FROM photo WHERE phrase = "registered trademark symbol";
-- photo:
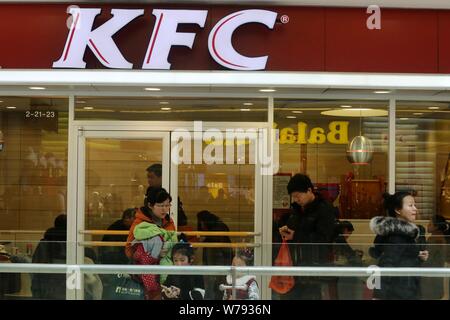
(284, 19)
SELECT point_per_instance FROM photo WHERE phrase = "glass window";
(423, 155)
(225, 190)
(33, 185)
(121, 182)
(341, 145)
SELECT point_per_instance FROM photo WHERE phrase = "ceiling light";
(166, 108)
(433, 108)
(355, 112)
(297, 111)
(36, 88)
(267, 90)
(163, 102)
(245, 109)
(152, 89)
(88, 108)
(418, 113)
(382, 91)
(346, 106)
(10, 107)
(404, 118)
(105, 110)
(81, 101)
(1, 101)
(247, 104)
(291, 117)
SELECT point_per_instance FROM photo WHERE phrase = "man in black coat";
(309, 232)
(113, 254)
(116, 255)
(51, 249)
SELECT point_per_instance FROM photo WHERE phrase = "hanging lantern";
(360, 151)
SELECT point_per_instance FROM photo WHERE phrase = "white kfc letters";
(164, 36)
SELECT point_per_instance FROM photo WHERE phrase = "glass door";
(113, 176)
(224, 197)
(220, 188)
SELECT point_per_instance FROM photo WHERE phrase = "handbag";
(282, 284)
(125, 287)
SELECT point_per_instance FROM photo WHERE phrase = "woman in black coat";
(398, 243)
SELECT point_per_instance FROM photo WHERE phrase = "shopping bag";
(282, 284)
(125, 287)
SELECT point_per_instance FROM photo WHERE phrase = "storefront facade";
(91, 95)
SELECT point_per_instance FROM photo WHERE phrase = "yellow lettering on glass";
(287, 136)
(301, 127)
(338, 132)
(317, 135)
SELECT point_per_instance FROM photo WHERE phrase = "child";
(246, 286)
(183, 287)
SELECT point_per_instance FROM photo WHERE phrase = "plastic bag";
(125, 287)
(282, 284)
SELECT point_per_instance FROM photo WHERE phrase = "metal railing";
(194, 244)
(126, 232)
(224, 270)
(187, 233)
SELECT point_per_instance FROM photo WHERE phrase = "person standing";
(347, 288)
(154, 175)
(399, 242)
(151, 236)
(113, 254)
(146, 214)
(154, 180)
(310, 230)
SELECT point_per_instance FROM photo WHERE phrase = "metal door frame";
(101, 133)
(80, 130)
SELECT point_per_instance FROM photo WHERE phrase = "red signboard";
(283, 38)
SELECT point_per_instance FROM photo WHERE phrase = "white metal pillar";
(72, 163)
(391, 149)
(267, 216)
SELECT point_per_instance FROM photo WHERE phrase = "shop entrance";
(112, 177)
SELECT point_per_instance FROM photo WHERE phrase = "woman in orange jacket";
(156, 212)
(145, 214)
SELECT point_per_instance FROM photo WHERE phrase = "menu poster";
(281, 198)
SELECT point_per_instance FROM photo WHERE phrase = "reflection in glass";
(423, 155)
(120, 182)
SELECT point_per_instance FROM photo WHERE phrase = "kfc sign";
(163, 37)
